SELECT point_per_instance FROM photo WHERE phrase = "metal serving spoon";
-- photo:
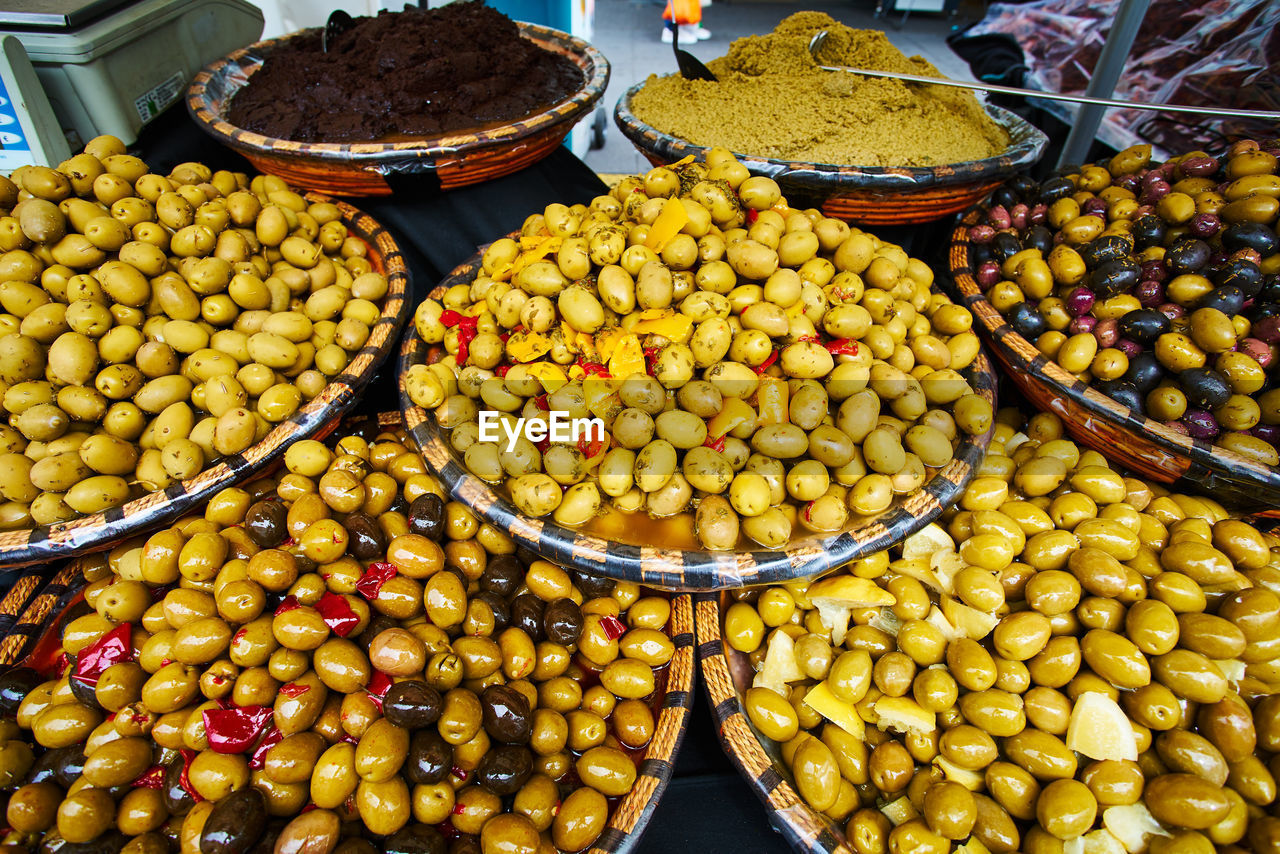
(691, 68)
(339, 22)
(816, 43)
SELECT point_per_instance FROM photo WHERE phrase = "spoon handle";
(1056, 96)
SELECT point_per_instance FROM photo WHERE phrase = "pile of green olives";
(152, 324)
(768, 369)
(1073, 660)
(339, 659)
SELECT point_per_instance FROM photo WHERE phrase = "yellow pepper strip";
(551, 375)
(772, 397)
(668, 224)
(734, 413)
(608, 341)
(627, 358)
(526, 346)
(543, 247)
(840, 713)
(795, 310)
(668, 324)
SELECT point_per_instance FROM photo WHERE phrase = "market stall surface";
(629, 33)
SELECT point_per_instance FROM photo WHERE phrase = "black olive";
(1227, 299)
(1261, 311)
(267, 842)
(562, 621)
(60, 765)
(1143, 325)
(400, 505)
(1188, 255)
(506, 715)
(1111, 278)
(1145, 371)
(236, 823)
(1204, 387)
(526, 613)
(503, 574)
(1004, 195)
(1004, 246)
(156, 842)
(1056, 188)
(176, 798)
(1039, 237)
(1148, 231)
(415, 839)
(426, 516)
(265, 523)
(430, 757)
(593, 586)
(1024, 186)
(979, 254)
(365, 539)
(15, 685)
(527, 558)
(261, 489)
(1250, 235)
(1100, 250)
(1270, 289)
(412, 704)
(1123, 393)
(1241, 274)
(505, 768)
(498, 605)
(1026, 321)
(111, 842)
(84, 692)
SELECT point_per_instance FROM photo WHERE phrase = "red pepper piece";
(504, 337)
(651, 357)
(808, 338)
(590, 446)
(752, 215)
(337, 614)
(234, 730)
(541, 402)
(292, 689)
(112, 648)
(542, 445)
(501, 370)
(449, 317)
(715, 444)
(596, 368)
(842, 347)
(613, 628)
(379, 685)
(764, 366)
(378, 574)
(62, 663)
(184, 779)
(289, 541)
(447, 830)
(288, 604)
(152, 778)
(461, 773)
(259, 758)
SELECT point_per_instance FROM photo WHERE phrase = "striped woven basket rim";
(805, 829)
(1209, 468)
(317, 418)
(676, 569)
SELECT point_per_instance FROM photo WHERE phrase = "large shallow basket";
(1117, 432)
(757, 759)
(61, 599)
(361, 169)
(871, 195)
(314, 420)
(686, 569)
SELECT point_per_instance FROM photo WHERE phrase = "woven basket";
(42, 613)
(804, 828)
(44, 618)
(1117, 432)
(316, 419)
(677, 569)
(359, 169)
(869, 195)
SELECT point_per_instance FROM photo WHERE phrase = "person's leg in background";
(687, 14)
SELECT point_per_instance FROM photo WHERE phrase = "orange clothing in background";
(683, 12)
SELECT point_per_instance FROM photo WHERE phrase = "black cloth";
(708, 807)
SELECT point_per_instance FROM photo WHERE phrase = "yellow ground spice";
(772, 100)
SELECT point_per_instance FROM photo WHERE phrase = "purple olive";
(1267, 433)
(1149, 292)
(1200, 424)
(988, 274)
(1155, 270)
(1128, 347)
(1171, 310)
(1018, 216)
(1128, 182)
(1096, 207)
(1204, 225)
(1267, 330)
(1256, 350)
(1079, 301)
(1038, 214)
(1083, 323)
(1200, 166)
(981, 233)
(1106, 331)
(998, 217)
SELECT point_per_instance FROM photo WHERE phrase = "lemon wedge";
(1100, 730)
